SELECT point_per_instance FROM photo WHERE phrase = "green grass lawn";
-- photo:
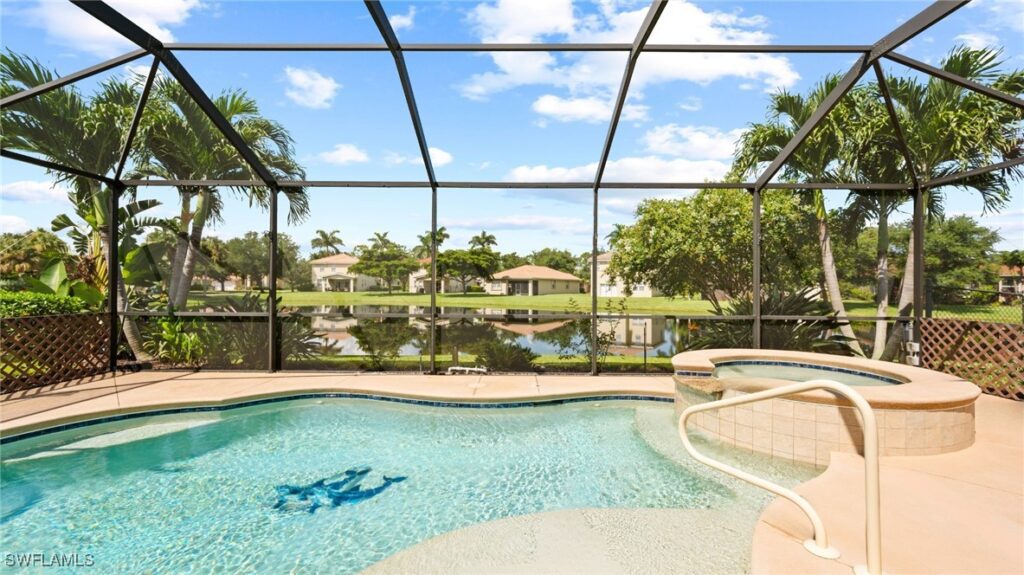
(562, 302)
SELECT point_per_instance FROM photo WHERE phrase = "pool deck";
(960, 512)
(151, 390)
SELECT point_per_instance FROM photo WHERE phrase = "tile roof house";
(532, 280)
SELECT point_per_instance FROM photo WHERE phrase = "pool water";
(196, 491)
(798, 372)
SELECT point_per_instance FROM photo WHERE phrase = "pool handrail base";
(819, 545)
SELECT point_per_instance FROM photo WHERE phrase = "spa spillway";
(918, 411)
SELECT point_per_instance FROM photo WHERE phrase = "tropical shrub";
(506, 356)
(180, 342)
(244, 340)
(54, 280)
(819, 335)
(26, 303)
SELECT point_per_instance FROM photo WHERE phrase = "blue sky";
(491, 116)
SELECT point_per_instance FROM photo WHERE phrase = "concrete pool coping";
(923, 389)
(959, 512)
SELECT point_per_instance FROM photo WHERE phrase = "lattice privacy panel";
(989, 354)
(44, 350)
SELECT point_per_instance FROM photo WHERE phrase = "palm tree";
(328, 243)
(179, 142)
(811, 163)
(379, 239)
(483, 240)
(66, 128)
(870, 153)
(950, 129)
(423, 250)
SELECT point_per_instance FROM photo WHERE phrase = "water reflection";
(397, 337)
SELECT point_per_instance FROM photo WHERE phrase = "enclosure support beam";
(755, 296)
(593, 288)
(71, 78)
(901, 140)
(273, 335)
(918, 247)
(924, 19)
(525, 47)
(956, 79)
(126, 149)
(505, 185)
(380, 18)
(53, 166)
(113, 272)
(953, 178)
(642, 35)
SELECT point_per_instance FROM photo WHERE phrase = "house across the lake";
(532, 280)
(616, 288)
(332, 274)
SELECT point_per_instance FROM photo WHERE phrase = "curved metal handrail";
(819, 545)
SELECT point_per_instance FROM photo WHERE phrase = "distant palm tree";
(379, 239)
(329, 243)
(483, 240)
(423, 249)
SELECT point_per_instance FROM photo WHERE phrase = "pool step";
(584, 541)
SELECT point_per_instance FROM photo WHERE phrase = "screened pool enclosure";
(588, 331)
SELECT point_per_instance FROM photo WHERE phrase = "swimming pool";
(792, 371)
(198, 490)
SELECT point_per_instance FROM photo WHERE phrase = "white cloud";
(630, 169)
(513, 21)
(1006, 14)
(33, 191)
(978, 40)
(552, 224)
(13, 224)
(600, 72)
(400, 21)
(67, 25)
(438, 157)
(344, 154)
(691, 104)
(626, 201)
(590, 109)
(692, 141)
(310, 88)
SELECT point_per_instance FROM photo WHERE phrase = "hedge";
(26, 303)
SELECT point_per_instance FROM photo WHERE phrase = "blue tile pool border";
(687, 373)
(331, 395)
(817, 366)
